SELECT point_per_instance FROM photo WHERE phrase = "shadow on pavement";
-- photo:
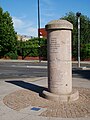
(81, 73)
(29, 86)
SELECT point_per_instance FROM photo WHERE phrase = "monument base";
(61, 98)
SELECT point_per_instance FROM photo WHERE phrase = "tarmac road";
(26, 69)
(22, 70)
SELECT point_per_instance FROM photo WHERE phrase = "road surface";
(34, 69)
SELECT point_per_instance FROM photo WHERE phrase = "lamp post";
(78, 15)
(39, 31)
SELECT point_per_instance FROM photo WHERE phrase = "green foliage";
(85, 51)
(8, 39)
(9, 46)
(12, 55)
(31, 47)
(84, 30)
(43, 47)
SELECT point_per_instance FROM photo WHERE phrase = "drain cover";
(35, 108)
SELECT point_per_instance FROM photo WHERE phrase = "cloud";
(24, 27)
(17, 22)
(32, 31)
(20, 22)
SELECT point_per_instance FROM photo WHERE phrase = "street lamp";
(78, 15)
(39, 31)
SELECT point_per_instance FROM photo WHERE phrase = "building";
(43, 33)
(24, 37)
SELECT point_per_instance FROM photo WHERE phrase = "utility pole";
(78, 15)
(39, 31)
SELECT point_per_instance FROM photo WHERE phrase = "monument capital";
(59, 24)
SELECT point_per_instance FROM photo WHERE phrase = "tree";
(31, 48)
(8, 39)
(85, 32)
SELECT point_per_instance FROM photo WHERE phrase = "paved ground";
(20, 100)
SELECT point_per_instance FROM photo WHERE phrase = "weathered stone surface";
(59, 59)
(59, 24)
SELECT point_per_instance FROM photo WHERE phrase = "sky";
(24, 12)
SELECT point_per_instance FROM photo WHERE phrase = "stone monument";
(59, 62)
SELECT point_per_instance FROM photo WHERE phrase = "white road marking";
(30, 66)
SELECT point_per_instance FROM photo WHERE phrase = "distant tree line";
(12, 48)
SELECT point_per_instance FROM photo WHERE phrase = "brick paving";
(23, 98)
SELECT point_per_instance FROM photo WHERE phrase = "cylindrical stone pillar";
(59, 59)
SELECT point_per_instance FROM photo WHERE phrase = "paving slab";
(12, 115)
(7, 113)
